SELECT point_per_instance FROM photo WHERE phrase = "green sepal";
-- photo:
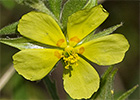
(21, 43)
(70, 7)
(125, 95)
(106, 91)
(55, 7)
(92, 35)
(10, 29)
(90, 4)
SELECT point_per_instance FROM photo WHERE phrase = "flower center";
(70, 57)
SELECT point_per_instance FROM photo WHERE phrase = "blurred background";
(126, 11)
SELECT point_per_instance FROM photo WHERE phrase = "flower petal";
(42, 28)
(34, 64)
(83, 22)
(81, 81)
(106, 50)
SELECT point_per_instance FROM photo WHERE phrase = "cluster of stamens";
(70, 57)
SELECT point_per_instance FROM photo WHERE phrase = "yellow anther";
(70, 56)
(72, 61)
(76, 64)
(67, 66)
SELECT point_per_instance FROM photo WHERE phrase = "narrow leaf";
(10, 29)
(55, 7)
(105, 32)
(92, 36)
(90, 4)
(19, 88)
(24, 90)
(9, 4)
(51, 87)
(106, 88)
(107, 73)
(108, 92)
(70, 7)
(19, 1)
(21, 43)
(86, 39)
(37, 5)
(125, 95)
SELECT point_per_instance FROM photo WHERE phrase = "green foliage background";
(127, 76)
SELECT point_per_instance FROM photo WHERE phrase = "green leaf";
(70, 7)
(105, 91)
(10, 29)
(106, 73)
(92, 36)
(125, 95)
(90, 4)
(19, 88)
(20, 1)
(55, 7)
(105, 32)
(9, 4)
(37, 5)
(24, 89)
(86, 39)
(21, 43)
(51, 87)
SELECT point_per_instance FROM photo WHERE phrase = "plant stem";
(51, 87)
(6, 77)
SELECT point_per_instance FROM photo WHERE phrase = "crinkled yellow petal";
(106, 50)
(81, 80)
(83, 22)
(34, 64)
(42, 28)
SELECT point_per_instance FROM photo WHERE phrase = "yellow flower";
(80, 79)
